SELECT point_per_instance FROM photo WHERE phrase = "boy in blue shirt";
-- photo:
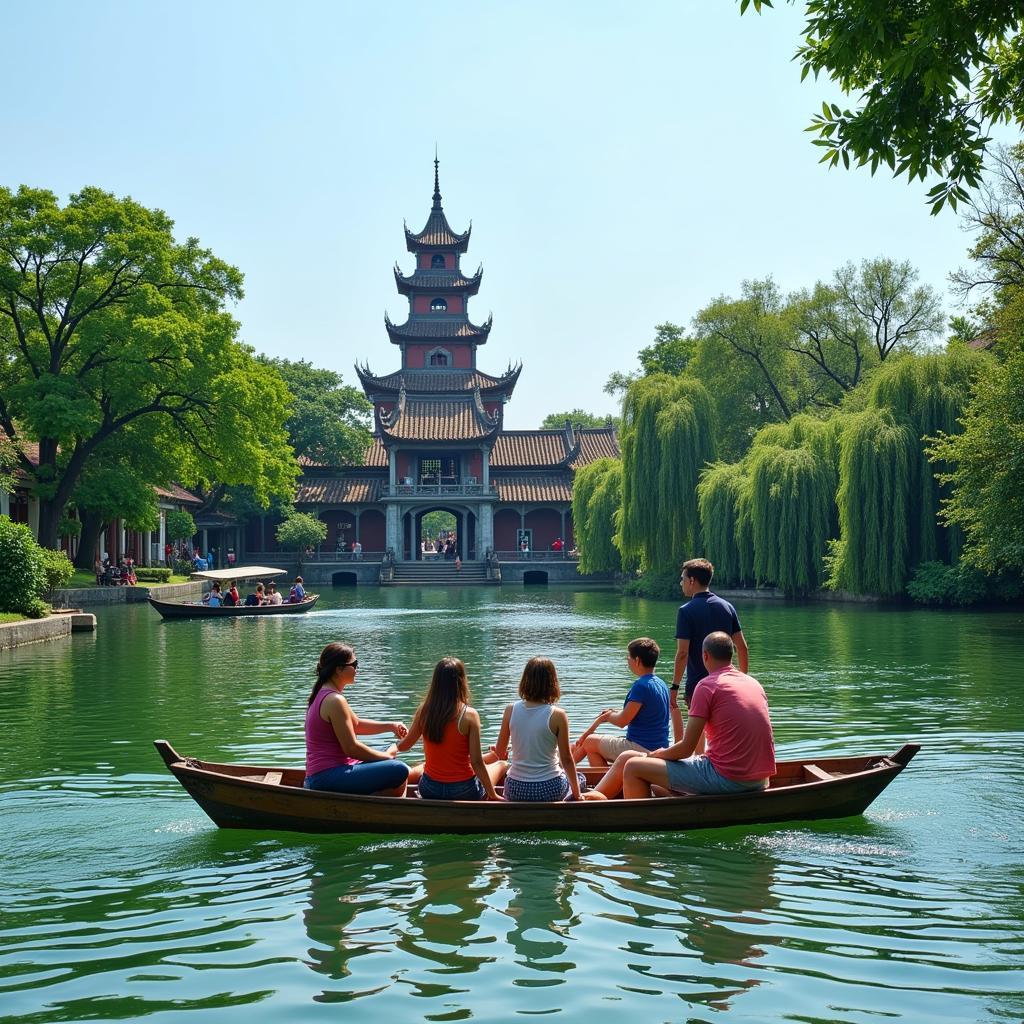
(645, 712)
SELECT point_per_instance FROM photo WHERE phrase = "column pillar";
(392, 529)
(163, 536)
(5, 503)
(486, 479)
(147, 549)
(486, 528)
(562, 535)
(392, 468)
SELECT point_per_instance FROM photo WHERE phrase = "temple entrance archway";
(464, 527)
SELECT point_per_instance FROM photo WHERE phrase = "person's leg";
(611, 783)
(592, 748)
(640, 773)
(380, 778)
(496, 769)
(416, 773)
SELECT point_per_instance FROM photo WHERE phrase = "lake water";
(120, 900)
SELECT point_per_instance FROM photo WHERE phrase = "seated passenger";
(298, 592)
(214, 598)
(273, 597)
(542, 767)
(455, 768)
(256, 599)
(336, 759)
(732, 709)
(645, 714)
(231, 598)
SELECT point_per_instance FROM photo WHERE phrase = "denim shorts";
(547, 789)
(363, 778)
(467, 789)
(697, 775)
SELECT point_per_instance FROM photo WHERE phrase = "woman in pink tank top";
(455, 768)
(336, 759)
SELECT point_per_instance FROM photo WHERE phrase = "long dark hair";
(448, 688)
(332, 657)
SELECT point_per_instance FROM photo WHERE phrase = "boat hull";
(177, 610)
(240, 796)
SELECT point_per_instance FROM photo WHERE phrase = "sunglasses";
(350, 664)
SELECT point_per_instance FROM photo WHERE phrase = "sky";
(622, 164)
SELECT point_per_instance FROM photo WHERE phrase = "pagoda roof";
(437, 233)
(438, 419)
(440, 380)
(569, 448)
(535, 487)
(336, 491)
(437, 325)
(422, 280)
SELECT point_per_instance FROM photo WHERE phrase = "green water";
(119, 900)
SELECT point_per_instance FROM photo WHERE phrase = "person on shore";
(336, 759)
(455, 767)
(731, 708)
(644, 714)
(542, 767)
(255, 599)
(703, 613)
(273, 597)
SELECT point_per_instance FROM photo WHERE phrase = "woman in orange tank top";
(455, 768)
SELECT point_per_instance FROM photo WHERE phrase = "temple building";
(439, 442)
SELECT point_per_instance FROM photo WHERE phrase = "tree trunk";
(91, 525)
(50, 512)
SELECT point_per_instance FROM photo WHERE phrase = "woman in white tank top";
(542, 766)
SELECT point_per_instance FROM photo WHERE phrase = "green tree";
(984, 465)
(723, 500)
(596, 509)
(328, 421)
(301, 531)
(578, 418)
(932, 78)
(106, 321)
(670, 352)
(180, 525)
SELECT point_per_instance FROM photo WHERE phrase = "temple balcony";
(446, 488)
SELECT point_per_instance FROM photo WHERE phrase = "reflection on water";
(119, 900)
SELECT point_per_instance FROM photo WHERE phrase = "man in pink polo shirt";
(728, 707)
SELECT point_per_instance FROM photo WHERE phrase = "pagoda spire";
(437, 182)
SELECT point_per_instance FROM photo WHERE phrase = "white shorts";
(611, 746)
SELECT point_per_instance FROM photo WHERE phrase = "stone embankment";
(33, 631)
(81, 597)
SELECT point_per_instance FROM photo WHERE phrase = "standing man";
(702, 614)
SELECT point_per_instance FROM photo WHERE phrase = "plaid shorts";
(547, 789)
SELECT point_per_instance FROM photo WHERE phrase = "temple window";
(438, 306)
(437, 261)
(439, 357)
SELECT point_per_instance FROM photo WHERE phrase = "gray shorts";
(697, 775)
(610, 746)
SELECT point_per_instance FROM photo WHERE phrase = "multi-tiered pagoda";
(439, 442)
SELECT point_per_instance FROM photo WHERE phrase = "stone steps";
(440, 574)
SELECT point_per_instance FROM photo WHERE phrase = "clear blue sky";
(622, 164)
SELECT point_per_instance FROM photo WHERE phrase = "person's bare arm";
(678, 669)
(501, 747)
(341, 717)
(687, 745)
(626, 715)
(410, 739)
(476, 757)
(559, 725)
(368, 727)
(742, 651)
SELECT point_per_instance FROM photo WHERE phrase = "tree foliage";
(328, 420)
(723, 501)
(596, 505)
(668, 437)
(23, 578)
(931, 77)
(105, 322)
(180, 525)
(578, 418)
(300, 531)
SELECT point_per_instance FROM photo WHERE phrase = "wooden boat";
(243, 573)
(182, 610)
(250, 796)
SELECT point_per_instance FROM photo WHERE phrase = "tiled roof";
(438, 325)
(450, 419)
(438, 380)
(437, 280)
(331, 491)
(517, 449)
(596, 443)
(376, 455)
(175, 492)
(534, 487)
(436, 234)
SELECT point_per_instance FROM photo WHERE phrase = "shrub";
(152, 574)
(936, 583)
(183, 567)
(21, 570)
(57, 569)
(37, 608)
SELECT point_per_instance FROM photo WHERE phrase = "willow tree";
(929, 394)
(596, 503)
(723, 500)
(668, 437)
(877, 455)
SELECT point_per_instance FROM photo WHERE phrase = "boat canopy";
(240, 572)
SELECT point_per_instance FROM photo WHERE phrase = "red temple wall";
(403, 465)
(462, 354)
(371, 530)
(506, 525)
(424, 260)
(475, 465)
(546, 524)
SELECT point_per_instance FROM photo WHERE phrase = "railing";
(307, 557)
(437, 490)
(537, 556)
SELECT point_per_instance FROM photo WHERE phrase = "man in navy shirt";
(702, 614)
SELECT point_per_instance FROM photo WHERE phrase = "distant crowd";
(726, 744)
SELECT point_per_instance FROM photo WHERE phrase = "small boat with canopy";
(240, 574)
